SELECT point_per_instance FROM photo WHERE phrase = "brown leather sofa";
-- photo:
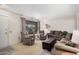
(59, 35)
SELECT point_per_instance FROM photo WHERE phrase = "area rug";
(45, 52)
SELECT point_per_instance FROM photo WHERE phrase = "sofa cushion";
(63, 40)
(65, 32)
(64, 47)
(71, 44)
(69, 36)
(67, 42)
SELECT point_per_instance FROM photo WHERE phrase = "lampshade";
(75, 37)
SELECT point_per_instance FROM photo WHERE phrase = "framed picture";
(31, 27)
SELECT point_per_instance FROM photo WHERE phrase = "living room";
(37, 29)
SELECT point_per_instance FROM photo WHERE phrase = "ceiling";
(46, 10)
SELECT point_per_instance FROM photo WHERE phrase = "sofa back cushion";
(60, 34)
(69, 36)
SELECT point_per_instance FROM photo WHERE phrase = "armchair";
(42, 36)
(29, 40)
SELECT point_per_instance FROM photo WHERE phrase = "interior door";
(12, 32)
(4, 42)
(14, 29)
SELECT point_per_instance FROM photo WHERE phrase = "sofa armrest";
(66, 48)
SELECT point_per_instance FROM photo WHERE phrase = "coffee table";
(48, 44)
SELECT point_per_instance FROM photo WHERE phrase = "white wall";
(14, 26)
(52, 10)
(77, 21)
(64, 24)
(40, 10)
